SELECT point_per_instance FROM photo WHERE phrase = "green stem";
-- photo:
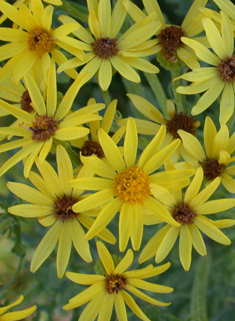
(178, 97)
(198, 302)
(106, 96)
(158, 91)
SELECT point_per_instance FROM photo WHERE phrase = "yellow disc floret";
(40, 41)
(132, 185)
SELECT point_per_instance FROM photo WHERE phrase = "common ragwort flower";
(52, 203)
(216, 160)
(190, 211)
(169, 37)
(50, 123)
(218, 78)
(106, 50)
(34, 42)
(126, 185)
(111, 290)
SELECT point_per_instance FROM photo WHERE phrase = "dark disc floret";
(183, 214)
(105, 47)
(63, 207)
(170, 41)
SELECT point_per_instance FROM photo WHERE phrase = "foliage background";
(206, 292)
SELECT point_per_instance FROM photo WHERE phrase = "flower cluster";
(131, 172)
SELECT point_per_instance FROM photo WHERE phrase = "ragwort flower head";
(106, 50)
(217, 159)
(173, 123)
(111, 290)
(18, 96)
(52, 203)
(18, 315)
(51, 123)
(126, 185)
(217, 79)
(34, 42)
(169, 43)
(190, 211)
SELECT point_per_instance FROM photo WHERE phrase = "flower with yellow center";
(50, 123)
(216, 160)
(218, 78)
(107, 50)
(90, 145)
(169, 43)
(18, 315)
(190, 211)
(34, 42)
(125, 185)
(175, 122)
(52, 203)
(110, 290)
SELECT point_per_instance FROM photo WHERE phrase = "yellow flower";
(34, 41)
(177, 121)
(51, 122)
(52, 202)
(106, 50)
(190, 212)
(90, 145)
(18, 95)
(216, 160)
(169, 37)
(217, 79)
(126, 185)
(111, 290)
(14, 316)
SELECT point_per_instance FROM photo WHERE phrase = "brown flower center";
(181, 121)
(132, 185)
(40, 41)
(63, 208)
(43, 127)
(105, 47)
(212, 168)
(183, 214)
(115, 283)
(26, 101)
(227, 69)
(170, 40)
(90, 148)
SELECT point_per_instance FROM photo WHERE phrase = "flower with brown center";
(112, 288)
(216, 160)
(106, 50)
(172, 52)
(190, 210)
(52, 201)
(48, 124)
(219, 77)
(155, 118)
